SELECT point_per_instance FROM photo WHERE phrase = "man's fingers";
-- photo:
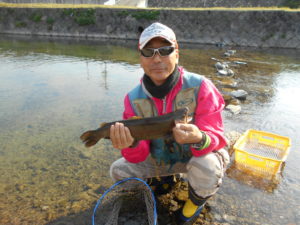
(129, 138)
(122, 133)
(120, 136)
(184, 127)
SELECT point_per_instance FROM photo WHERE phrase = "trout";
(141, 129)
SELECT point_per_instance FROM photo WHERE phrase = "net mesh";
(129, 202)
(272, 152)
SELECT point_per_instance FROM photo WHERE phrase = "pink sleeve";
(141, 151)
(208, 116)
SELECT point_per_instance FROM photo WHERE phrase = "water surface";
(53, 90)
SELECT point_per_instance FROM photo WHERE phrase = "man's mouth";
(158, 68)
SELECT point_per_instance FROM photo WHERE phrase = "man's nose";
(157, 57)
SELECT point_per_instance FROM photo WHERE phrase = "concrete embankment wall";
(215, 3)
(231, 27)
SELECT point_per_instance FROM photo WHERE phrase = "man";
(196, 148)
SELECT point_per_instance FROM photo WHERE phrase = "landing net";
(130, 199)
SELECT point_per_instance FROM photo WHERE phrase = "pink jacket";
(207, 117)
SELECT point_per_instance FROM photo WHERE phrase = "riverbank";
(270, 27)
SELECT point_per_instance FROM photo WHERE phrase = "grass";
(42, 5)
(36, 17)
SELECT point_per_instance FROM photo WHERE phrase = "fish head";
(182, 115)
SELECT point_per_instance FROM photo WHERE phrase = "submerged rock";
(240, 62)
(229, 53)
(226, 72)
(228, 83)
(234, 109)
(221, 66)
(239, 94)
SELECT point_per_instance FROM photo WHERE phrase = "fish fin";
(168, 137)
(135, 117)
(185, 120)
(103, 124)
(134, 144)
(90, 143)
(89, 138)
(189, 119)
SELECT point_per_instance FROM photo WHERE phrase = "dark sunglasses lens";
(164, 51)
(147, 52)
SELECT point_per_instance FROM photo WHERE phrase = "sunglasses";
(162, 51)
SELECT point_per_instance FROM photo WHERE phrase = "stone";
(239, 94)
(45, 208)
(221, 66)
(227, 98)
(76, 206)
(228, 83)
(229, 218)
(222, 72)
(229, 53)
(235, 101)
(240, 62)
(182, 195)
(234, 109)
(20, 187)
(230, 72)
(218, 217)
(226, 72)
(109, 29)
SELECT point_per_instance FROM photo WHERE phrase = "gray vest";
(166, 150)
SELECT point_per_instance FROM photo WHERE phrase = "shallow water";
(53, 90)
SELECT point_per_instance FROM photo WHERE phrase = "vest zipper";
(164, 105)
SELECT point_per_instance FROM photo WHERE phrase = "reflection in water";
(87, 71)
(250, 178)
(50, 92)
(104, 73)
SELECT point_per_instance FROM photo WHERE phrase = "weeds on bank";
(81, 16)
(293, 4)
(147, 14)
(36, 17)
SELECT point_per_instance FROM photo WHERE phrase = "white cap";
(156, 30)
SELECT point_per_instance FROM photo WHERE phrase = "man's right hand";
(120, 136)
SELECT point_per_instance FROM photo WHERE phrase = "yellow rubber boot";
(189, 208)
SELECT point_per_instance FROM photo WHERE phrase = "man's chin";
(159, 79)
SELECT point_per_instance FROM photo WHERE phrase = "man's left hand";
(186, 133)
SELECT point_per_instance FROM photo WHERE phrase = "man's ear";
(177, 55)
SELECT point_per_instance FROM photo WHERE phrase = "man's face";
(159, 68)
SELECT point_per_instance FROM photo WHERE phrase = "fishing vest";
(166, 150)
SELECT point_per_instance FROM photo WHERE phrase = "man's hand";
(186, 133)
(120, 136)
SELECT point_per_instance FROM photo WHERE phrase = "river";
(53, 90)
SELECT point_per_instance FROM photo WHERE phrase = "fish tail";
(90, 138)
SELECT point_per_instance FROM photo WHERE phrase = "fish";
(147, 128)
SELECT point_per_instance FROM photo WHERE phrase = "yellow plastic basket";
(261, 152)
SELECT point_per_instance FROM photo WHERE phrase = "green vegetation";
(147, 14)
(85, 17)
(267, 37)
(293, 4)
(68, 12)
(123, 13)
(20, 24)
(36, 17)
(50, 20)
(81, 16)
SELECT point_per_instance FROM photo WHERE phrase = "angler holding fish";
(164, 96)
